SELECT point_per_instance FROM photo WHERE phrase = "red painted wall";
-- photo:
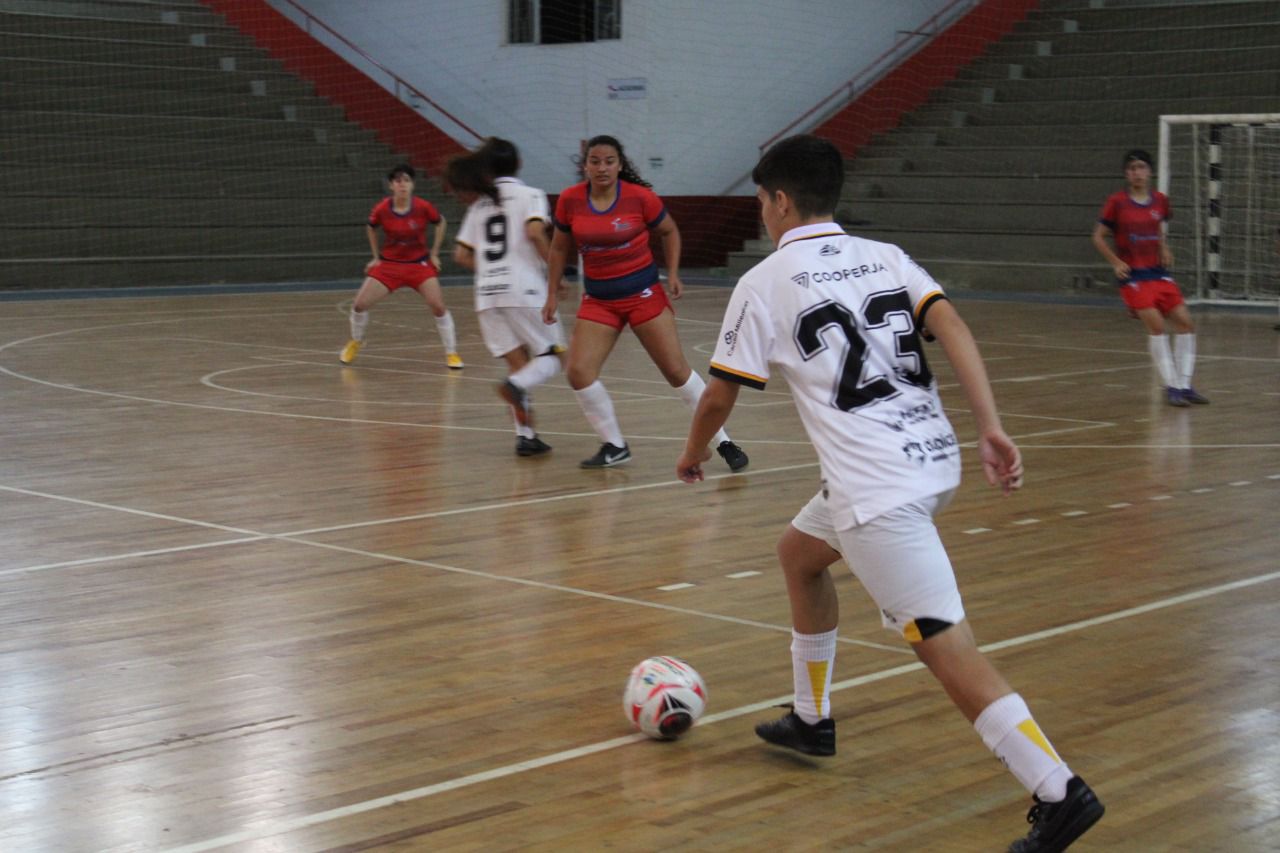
(365, 101)
(908, 85)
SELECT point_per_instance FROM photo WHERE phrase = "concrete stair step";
(209, 154)
(1130, 63)
(1079, 112)
(1112, 17)
(142, 211)
(882, 157)
(1079, 189)
(41, 72)
(46, 240)
(101, 128)
(898, 214)
(1201, 84)
(175, 11)
(23, 45)
(122, 30)
(1025, 136)
(14, 96)
(1200, 37)
(115, 271)
(86, 177)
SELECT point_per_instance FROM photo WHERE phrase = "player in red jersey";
(403, 261)
(1134, 219)
(609, 217)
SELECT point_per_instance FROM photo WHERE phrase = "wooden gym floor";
(256, 601)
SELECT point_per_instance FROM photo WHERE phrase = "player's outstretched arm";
(1001, 459)
(713, 410)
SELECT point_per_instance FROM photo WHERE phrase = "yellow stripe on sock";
(1033, 734)
(817, 681)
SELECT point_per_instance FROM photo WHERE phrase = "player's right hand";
(689, 465)
(1122, 270)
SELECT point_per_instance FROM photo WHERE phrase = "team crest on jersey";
(619, 224)
(802, 279)
(1155, 214)
(828, 249)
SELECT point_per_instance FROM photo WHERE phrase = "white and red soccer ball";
(664, 697)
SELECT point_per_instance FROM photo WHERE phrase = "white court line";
(154, 552)
(267, 829)
(402, 560)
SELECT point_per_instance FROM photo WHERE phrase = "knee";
(578, 376)
(925, 628)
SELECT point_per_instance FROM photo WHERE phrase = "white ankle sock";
(813, 658)
(444, 325)
(1008, 730)
(598, 408)
(1158, 346)
(1184, 357)
(359, 322)
(691, 393)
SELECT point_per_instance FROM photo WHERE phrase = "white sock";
(598, 408)
(813, 657)
(691, 393)
(444, 325)
(521, 429)
(359, 322)
(1008, 730)
(1184, 356)
(537, 371)
(1158, 345)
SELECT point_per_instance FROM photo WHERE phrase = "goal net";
(1222, 174)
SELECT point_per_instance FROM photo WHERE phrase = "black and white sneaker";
(531, 446)
(518, 399)
(607, 456)
(733, 455)
(1055, 825)
(794, 733)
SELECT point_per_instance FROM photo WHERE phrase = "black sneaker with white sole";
(733, 456)
(794, 733)
(607, 456)
(1055, 825)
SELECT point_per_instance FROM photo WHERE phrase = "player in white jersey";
(841, 320)
(503, 239)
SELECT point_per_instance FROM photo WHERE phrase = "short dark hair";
(809, 169)
(503, 156)
(1136, 154)
(402, 169)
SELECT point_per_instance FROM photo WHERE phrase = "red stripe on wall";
(364, 101)
(909, 84)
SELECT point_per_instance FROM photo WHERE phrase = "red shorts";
(1161, 294)
(396, 274)
(629, 310)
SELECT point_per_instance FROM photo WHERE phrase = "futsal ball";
(664, 697)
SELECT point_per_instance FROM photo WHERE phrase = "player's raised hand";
(1001, 461)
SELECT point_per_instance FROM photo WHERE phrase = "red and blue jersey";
(1137, 228)
(614, 242)
(406, 233)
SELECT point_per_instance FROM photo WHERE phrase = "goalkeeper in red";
(1134, 220)
(840, 319)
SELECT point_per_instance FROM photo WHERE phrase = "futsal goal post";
(1223, 171)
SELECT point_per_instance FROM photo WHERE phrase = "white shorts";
(506, 329)
(897, 556)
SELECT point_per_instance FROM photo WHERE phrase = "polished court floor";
(256, 601)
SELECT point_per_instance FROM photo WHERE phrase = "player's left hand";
(689, 465)
(675, 286)
(1001, 461)
(435, 261)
